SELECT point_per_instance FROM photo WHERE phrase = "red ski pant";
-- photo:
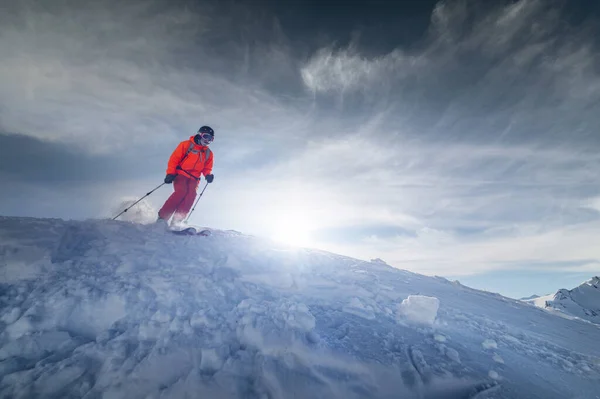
(181, 201)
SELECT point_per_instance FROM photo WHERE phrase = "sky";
(452, 138)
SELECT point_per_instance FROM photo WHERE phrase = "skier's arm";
(208, 165)
(176, 158)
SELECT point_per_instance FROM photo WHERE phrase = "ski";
(191, 231)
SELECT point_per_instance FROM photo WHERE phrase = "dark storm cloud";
(144, 70)
(43, 162)
(506, 72)
(375, 27)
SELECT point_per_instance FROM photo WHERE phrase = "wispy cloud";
(346, 70)
(483, 72)
(129, 72)
(500, 140)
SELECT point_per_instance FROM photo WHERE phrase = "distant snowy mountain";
(582, 302)
(530, 297)
(104, 309)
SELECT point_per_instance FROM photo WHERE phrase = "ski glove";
(209, 178)
(169, 178)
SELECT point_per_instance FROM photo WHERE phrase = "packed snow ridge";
(581, 302)
(103, 309)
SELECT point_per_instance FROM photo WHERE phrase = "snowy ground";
(103, 309)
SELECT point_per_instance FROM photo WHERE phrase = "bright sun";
(292, 228)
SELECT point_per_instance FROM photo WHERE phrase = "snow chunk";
(210, 361)
(489, 344)
(11, 316)
(494, 375)
(452, 354)
(511, 339)
(200, 320)
(356, 307)
(497, 358)
(439, 338)
(586, 368)
(419, 309)
(299, 317)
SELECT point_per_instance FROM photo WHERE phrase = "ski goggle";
(206, 137)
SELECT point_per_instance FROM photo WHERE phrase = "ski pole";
(190, 214)
(131, 206)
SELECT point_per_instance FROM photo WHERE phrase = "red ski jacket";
(190, 160)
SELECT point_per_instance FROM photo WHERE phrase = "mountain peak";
(582, 302)
(595, 281)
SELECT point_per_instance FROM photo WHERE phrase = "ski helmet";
(206, 129)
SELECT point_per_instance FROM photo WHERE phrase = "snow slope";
(582, 302)
(103, 309)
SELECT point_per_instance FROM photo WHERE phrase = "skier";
(191, 159)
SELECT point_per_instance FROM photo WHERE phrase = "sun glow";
(292, 228)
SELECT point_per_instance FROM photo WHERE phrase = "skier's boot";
(178, 222)
(163, 223)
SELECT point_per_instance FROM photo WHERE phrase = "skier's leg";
(171, 204)
(186, 204)
(188, 201)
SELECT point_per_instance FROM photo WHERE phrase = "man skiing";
(191, 159)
